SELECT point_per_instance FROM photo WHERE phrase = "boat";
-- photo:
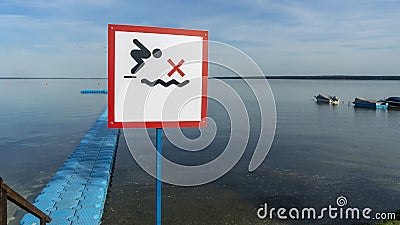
(328, 99)
(393, 102)
(368, 103)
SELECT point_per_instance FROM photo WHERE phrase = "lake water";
(319, 153)
(41, 126)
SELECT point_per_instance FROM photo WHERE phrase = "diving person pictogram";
(142, 53)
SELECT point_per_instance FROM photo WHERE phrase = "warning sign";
(157, 77)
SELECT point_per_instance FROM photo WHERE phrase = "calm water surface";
(41, 126)
(320, 152)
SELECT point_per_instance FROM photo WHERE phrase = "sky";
(68, 38)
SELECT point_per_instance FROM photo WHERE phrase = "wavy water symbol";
(163, 83)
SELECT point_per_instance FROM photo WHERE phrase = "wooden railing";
(7, 193)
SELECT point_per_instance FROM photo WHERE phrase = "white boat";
(328, 99)
(393, 102)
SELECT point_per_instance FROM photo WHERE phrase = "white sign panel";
(157, 77)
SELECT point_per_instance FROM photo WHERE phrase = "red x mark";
(176, 67)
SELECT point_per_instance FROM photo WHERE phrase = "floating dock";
(94, 91)
(77, 192)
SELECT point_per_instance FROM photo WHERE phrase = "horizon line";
(273, 77)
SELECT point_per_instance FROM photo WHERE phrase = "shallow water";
(41, 126)
(320, 152)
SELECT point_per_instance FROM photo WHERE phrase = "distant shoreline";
(52, 78)
(319, 77)
(277, 77)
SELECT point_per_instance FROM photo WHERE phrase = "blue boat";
(367, 103)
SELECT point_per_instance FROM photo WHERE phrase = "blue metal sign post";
(159, 183)
(121, 71)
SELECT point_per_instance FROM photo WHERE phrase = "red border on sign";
(111, 77)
